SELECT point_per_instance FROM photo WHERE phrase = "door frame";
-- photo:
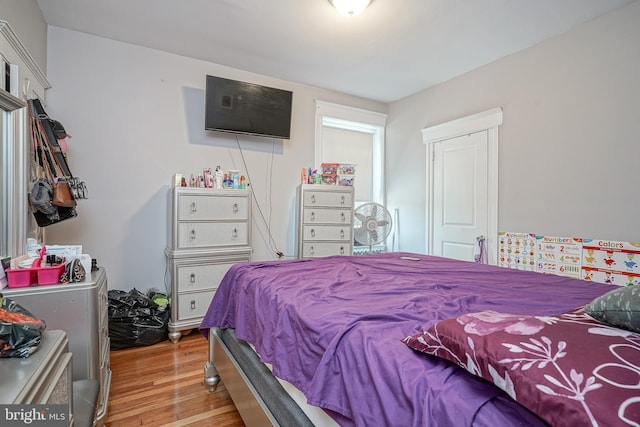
(488, 121)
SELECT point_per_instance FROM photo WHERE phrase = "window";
(351, 135)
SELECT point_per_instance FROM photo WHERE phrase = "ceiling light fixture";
(350, 7)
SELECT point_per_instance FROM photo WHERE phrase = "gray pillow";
(619, 308)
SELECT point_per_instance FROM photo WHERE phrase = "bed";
(403, 339)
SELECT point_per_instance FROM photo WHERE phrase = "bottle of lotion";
(218, 178)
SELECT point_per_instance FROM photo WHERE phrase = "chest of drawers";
(209, 231)
(325, 220)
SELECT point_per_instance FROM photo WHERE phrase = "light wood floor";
(162, 385)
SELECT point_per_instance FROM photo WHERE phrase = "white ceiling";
(395, 48)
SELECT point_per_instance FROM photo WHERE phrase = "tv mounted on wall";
(241, 107)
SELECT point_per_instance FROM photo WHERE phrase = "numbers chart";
(559, 255)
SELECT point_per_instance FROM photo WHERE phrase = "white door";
(460, 195)
(462, 185)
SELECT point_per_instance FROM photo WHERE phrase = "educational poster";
(559, 255)
(517, 250)
(612, 262)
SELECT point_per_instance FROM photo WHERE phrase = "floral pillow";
(568, 369)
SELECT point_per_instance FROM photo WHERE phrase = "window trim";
(350, 118)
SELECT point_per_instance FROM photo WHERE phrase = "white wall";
(137, 117)
(568, 147)
(570, 143)
(26, 20)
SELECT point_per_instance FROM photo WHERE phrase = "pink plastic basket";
(49, 275)
(21, 277)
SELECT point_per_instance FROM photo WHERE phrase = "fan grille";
(372, 224)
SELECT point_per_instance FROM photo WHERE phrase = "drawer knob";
(342, 199)
(313, 216)
(193, 277)
(342, 234)
(341, 250)
(312, 250)
(192, 235)
(194, 208)
(235, 208)
(234, 234)
(343, 217)
(313, 198)
(193, 304)
(313, 233)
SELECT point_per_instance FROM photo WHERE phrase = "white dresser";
(325, 220)
(209, 231)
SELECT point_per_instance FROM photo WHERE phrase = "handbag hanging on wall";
(62, 195)
(50, 195)
(49, 137)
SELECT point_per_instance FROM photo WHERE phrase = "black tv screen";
(240, 107)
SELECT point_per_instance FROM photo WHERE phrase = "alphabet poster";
(517, 250)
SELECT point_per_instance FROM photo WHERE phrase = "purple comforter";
(333, 327)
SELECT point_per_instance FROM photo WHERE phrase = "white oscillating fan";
(372, 224)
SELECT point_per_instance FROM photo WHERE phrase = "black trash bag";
(20, 331)
(135, 320)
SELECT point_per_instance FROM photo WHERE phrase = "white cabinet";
(325, 220)
(209, 231)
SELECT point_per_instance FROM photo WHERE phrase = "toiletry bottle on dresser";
(218, 177)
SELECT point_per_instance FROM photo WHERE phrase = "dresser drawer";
(105, 387)
(327, 216)
(193, 207)
(212, 234)
(194, 304)
(103, 330)
(328, 199)
(103, 311)
(201, 277)
(320, 249)
(326, 232)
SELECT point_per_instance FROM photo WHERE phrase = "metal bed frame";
(257, 394)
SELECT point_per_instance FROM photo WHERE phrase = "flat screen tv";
(240, 107)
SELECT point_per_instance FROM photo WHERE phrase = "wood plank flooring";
(162, 385)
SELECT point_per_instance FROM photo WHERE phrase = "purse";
(62, 195)
(41, 195)
(73, 272)
(60, 214)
